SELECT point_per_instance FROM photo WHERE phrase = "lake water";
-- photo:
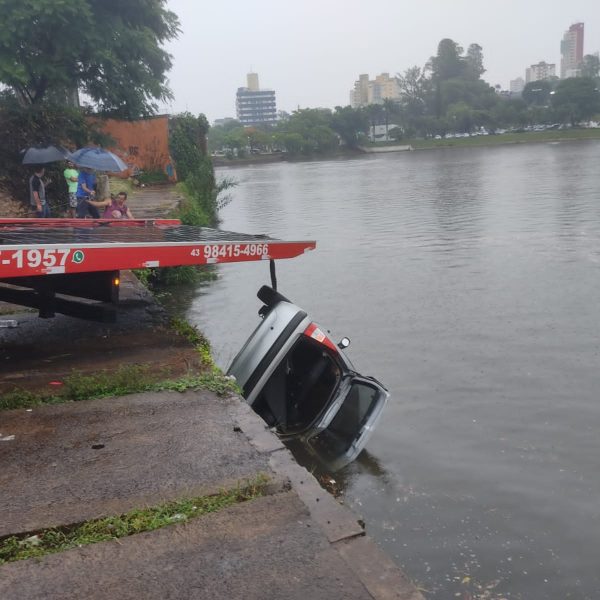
(469, 282)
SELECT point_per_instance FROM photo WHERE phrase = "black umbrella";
(38, 155)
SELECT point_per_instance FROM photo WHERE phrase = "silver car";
(302, 384)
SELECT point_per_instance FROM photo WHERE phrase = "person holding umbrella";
(93, 159)
(37, 194)
(38, 156)
(86, 183)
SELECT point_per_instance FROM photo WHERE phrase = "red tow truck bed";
(81, 258)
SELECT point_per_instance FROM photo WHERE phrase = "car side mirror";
(344, 343)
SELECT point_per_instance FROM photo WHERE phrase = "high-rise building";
(541, 70)
(359, 96)
(375, 91)
(571, 50)
(517, 85)
(253, 105)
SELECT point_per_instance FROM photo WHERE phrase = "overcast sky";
(311, 51)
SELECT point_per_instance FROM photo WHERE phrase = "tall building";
(375, 91)
(253, 105)
(542, 70)
(517, 85)
(571, 51)
(359, 96)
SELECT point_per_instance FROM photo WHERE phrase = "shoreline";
(489, 141)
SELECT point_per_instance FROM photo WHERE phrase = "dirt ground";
(10, 207)
(39, 351)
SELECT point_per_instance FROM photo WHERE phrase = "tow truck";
(72, 266)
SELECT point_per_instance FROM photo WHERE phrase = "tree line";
(110, 53)
(447, 95)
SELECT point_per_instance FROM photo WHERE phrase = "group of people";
(83, 204)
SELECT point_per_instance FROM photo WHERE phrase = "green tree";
(414, 91)
(236, 141)
(24, 126)
(477, 94)
(111, 50)
(448, 62)
(474, 61)
(313, 127)
(538, 92)
(374, 113)
(351, 124)
(217, 134)
(508, 112)
(591, 66)
(461, 117)
(291, 142)
(259, 139)
(391, 113)
(576, 99)
(187, 142)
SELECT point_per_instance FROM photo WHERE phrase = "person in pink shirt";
(114, 208)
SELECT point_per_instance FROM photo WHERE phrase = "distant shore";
(526, 137)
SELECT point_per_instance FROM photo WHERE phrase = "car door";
(350, 419)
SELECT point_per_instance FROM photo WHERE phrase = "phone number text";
(231, 250)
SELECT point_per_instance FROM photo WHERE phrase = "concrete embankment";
(68, 463)
(75, 462)
(385, 149)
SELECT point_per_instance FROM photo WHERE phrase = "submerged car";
(302, 384)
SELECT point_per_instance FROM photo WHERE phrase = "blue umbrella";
(98, 159)
(39, 155)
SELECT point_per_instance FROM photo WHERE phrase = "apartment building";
(374, 91)
(253, 105)
(540, 71)
(571, 51)
(517, 85)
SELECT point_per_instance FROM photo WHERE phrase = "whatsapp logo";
(78, 256)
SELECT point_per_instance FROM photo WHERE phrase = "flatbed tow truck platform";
(72, 266)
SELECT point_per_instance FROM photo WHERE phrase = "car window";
(339, 436)
(300, 388)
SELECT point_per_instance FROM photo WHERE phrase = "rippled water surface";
(469, 283)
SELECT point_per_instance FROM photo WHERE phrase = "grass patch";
(198, 340)
(152, 177)
(131, 379)
(50, 541)
(189, 332)
(125, 380)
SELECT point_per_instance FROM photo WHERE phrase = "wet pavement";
(78, 461)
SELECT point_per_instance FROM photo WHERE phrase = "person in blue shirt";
(86, 183)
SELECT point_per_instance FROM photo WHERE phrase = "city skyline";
(311, 55)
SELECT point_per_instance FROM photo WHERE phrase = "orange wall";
(142, 144)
